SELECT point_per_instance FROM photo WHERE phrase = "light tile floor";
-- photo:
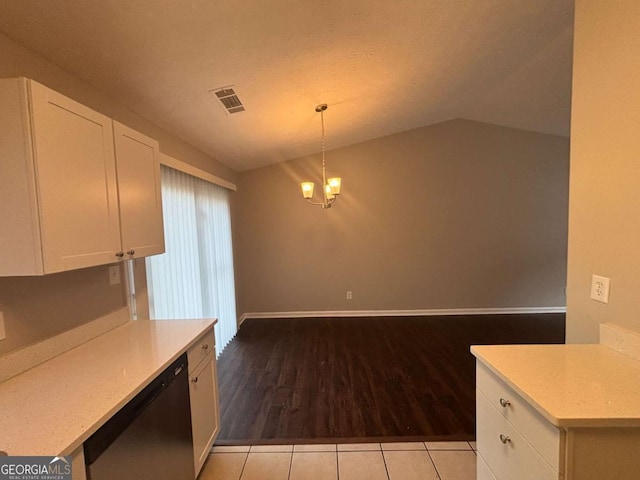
(363, 461)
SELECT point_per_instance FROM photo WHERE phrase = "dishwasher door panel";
(157, 444)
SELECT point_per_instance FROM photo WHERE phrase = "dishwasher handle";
(152, 391)
(147, 399)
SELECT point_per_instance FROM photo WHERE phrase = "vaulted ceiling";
(383, 66)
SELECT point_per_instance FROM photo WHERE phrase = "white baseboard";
(402, 313)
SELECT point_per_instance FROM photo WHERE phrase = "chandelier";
(331, 186)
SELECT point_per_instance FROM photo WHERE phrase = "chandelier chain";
(324, 170)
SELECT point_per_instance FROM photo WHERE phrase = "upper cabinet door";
(67, 201)
(138, 168)
(75, 178)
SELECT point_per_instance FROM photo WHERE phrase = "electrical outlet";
(349, 295)
(600, 288)
(114, 275)
(3, 333)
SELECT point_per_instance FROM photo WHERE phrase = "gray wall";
(37, 308)
(456, 215)
(604, 218)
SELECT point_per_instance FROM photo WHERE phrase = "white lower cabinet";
(484, 472)
(203, 394)
(508, 453)
(515, 442)
(78, 471)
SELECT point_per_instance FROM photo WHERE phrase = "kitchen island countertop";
(570, 385)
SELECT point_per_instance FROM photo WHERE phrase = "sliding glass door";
(194, 278)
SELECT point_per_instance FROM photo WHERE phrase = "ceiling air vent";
(229, 99)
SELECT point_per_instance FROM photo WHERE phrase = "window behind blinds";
(194, 278)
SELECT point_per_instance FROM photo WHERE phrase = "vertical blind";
(194, 278)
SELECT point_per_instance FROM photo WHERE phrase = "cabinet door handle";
(504, 439)
(131, 252)
(194, 380)
(504, 403)
(205, 346)
(119, 254)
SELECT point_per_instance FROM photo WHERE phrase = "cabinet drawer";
(515, 459)
(544, 437)
(201, 349)
(483, 471)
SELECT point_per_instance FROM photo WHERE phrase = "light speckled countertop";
(570, 385)
(52, 408)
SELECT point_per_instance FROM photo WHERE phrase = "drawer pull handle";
(205, 346)
(194, 380)
(504, 403)
(131, 252)
(504, 439)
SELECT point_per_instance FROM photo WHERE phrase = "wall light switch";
(3, 333)
(600, 288)
(114, 275)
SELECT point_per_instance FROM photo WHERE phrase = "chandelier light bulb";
(307, 189)
(334, 184)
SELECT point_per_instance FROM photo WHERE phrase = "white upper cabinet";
(140, 198)
(58, 190)
(59, 185)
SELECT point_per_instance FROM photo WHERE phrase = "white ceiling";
(383, 66)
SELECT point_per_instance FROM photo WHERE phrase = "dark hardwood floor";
(358, 379)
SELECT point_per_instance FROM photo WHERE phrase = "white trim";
(28, 357)
(195, 172)
(402, 313)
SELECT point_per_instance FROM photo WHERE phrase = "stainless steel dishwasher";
(150, 437)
